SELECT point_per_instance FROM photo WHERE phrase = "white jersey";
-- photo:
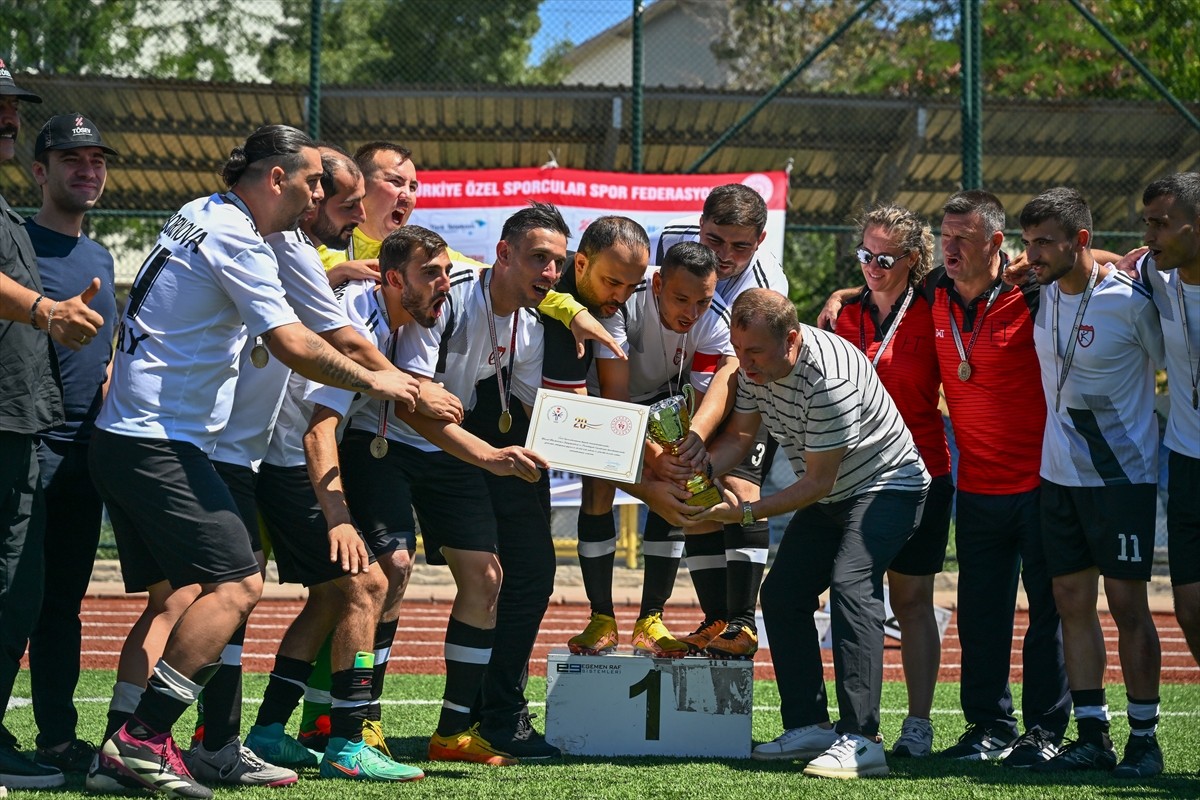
(210, 280)
(1183, 356)
(658, 356)
(833, 398)
(362, 303)
(763, 272)
(1104, 433)
(259, 391)
(457, 352)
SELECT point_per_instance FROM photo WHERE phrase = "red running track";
(418, 646)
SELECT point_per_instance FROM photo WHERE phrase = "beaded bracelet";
(33, 311)
(50, 316)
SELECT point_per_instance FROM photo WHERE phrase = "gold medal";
(379, 447)
(964, 371)
(259, 355)
(505, 421)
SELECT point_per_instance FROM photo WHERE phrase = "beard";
(329, 234)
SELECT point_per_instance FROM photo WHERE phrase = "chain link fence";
(865, 97)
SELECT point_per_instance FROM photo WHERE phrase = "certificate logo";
(621, 425)
(557, 414)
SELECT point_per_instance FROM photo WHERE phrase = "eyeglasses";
(884, 260)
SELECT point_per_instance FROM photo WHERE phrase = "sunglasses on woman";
(884, 260)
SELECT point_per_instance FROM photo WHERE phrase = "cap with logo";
(67, 131)
(7, 87)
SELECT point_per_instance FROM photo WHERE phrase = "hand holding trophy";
(670, 421)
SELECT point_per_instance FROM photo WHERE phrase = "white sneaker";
(916, 738)
(852, 756)
(796, 744)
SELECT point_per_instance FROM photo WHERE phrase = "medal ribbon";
(505, 386)
(1069, 356)
(887, 337)
(1193, 372)
(965, 355)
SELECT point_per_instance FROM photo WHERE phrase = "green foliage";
(413, 41)
(64, 36)
(205, 40)
(814, 268)
(1031, 48)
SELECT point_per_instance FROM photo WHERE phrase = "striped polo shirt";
(833, 398)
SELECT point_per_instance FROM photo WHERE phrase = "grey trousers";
(844, 547)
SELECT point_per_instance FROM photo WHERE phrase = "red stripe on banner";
(614, 191)
(705, 362)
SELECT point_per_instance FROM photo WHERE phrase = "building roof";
(846, 151)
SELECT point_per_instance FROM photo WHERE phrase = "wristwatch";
(747, 513)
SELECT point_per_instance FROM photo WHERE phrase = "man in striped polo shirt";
(858, 496)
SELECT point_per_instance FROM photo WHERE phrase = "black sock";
(597, 554)
(746, 552)
(662, 547)
(351, 692)
(115, 720)
(222, 697)
(168, 695)
(285, 688)
(705, 557)
(385, 633)
(463, 675)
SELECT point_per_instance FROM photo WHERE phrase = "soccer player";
(727, 566)
(673, 322)
(210, 281)
(391, 467)
(1172, 271)
(1098, 341)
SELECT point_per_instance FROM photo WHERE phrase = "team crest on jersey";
(499, 351)
(678, 356)
(1087, 335)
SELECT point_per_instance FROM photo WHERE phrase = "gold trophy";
(670, 421)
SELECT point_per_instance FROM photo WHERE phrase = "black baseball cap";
(68, 131)
(7, 87)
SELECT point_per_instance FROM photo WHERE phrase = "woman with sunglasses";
(890, 321)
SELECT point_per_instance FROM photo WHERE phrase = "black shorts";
(925, 552)
(450, 496)
(1183, 518)
(1108, 527)
(241, 481)
(173, 517)
(757, 463)
(299, 535)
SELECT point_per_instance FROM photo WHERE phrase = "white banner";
(468, 207)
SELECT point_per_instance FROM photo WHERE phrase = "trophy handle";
(689, 397)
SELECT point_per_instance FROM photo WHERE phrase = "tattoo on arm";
(333, 366)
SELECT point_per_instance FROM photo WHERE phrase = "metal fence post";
(638, 91)
(972, 95)
(314, 71)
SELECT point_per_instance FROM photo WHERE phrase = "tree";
(205, 39)
(1031, 48)
(413, 41)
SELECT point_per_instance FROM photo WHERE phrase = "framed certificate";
(589, 435)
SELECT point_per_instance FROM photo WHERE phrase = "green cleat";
(358, 761)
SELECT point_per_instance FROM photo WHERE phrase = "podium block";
(631, 705)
